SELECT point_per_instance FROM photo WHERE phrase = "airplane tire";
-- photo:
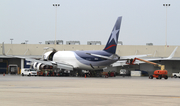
(22, 74)
(175, 76)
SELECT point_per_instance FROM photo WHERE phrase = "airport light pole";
(166, 5)
(56, 5)
(11, 40)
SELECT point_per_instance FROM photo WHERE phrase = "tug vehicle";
(158, 74)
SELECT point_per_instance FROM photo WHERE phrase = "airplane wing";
(172, 54)
(3, 51)
(60, 65)
(123, 59)
(168, 58)
(36, 59)
(133, 56)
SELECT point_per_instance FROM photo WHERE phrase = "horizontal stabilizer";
(3, 51)
(105, 57)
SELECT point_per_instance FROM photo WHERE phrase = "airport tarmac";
(16, 90)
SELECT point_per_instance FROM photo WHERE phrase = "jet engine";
(48, 56)
(41, 66)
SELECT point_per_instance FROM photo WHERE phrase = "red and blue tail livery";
(113, 39)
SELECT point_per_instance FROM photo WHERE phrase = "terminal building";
(37, 50)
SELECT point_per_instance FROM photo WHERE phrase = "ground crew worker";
(109, 73)
(46, 73)
(131, 61)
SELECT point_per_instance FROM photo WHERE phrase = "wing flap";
(133, 56)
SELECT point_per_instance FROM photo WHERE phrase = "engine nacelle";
(41, 66)
(37, 66)
(48, 56)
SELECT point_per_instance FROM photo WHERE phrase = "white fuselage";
(77, 62)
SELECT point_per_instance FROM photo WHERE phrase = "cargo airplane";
(85, 60)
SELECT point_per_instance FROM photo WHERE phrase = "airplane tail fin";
(3, 51)
(172, 54)
(113, 39)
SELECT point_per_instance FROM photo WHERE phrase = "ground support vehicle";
(28, 72)
(108, 74)
(123, 72)
(40, 73)
(105, 74)
(112, 74)
(51, 73)
(158, 74)
(176, 75)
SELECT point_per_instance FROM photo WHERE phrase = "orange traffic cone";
(3, 74)
(85, 75)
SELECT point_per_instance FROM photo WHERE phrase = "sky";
(143, 21)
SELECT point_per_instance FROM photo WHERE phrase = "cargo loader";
(158, 74)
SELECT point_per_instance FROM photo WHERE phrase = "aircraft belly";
(93, 64)
(65, 57)
(70, 58)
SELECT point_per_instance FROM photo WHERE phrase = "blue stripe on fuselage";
(88, 57)
(84, 58)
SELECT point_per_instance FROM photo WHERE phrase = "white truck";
(175, 75)
(28, 72)
(123, 72)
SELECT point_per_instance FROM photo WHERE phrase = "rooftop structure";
(93, 42)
